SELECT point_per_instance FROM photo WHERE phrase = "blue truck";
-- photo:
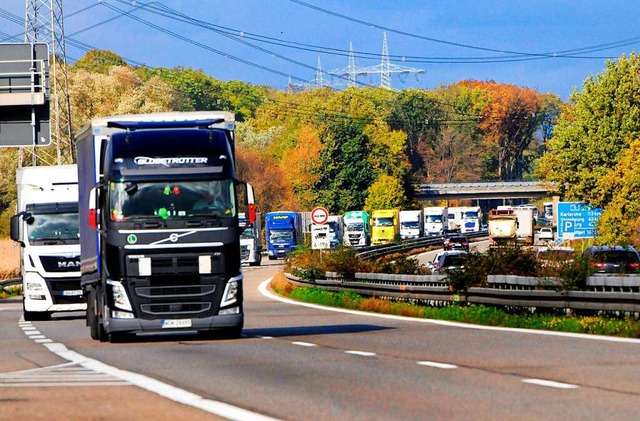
(159, 229)
(283, 232)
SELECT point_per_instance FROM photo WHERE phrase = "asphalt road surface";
(298, 362)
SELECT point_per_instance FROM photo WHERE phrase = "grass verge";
(627, 327)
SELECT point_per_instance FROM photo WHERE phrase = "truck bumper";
(141, 325)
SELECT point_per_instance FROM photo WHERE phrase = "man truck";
(159, 229)
(47, 229)
(471, 219)
(356, 229)
(385, 226)
(250, 241)
(411, 224)
(283, 232)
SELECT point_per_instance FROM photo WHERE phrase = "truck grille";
(61, 287)
(244, 252)
(175, 288)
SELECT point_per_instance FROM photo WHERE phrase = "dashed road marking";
(550, 383)
(434, 364)
(361, 353)
(307, 344)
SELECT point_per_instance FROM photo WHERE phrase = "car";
(450, 260)
(456, 242)
(545, 233)
(434, 262)
(613, 259)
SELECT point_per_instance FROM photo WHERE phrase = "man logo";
(63, 264)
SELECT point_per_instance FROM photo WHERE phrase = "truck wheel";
(92, 313)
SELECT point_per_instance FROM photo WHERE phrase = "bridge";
(484, 190)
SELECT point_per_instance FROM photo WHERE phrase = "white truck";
(250, 240)
(456, 218)
(471, 219)
(502, 227)
(411, 224)
(47, 228)
(526, 224)
(357, 232)
(436, 220)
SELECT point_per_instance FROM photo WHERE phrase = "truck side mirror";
(247, 198)
(14, 228)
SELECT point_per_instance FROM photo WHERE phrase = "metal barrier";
(602, 293)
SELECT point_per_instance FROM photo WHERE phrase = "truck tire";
(93, 319)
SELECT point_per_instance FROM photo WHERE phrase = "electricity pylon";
(44, 24)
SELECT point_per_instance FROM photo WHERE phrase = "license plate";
(176, 323)
(72, 293)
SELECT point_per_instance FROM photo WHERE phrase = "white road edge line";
(550, 383)
(265, 291)
(443, 366)
(165, 390)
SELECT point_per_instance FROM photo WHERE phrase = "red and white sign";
(319, 215)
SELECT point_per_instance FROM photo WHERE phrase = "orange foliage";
(300, 165)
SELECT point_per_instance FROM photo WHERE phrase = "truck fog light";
(121, 315)
(34, 286)
(232, 310)
(36, 297)
(120, 298)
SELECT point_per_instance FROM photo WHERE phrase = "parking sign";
(577, 220)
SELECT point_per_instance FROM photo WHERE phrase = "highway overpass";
(484, 190)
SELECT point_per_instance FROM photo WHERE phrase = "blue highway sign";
(577, 220)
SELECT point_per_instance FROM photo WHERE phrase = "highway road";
(298, 362)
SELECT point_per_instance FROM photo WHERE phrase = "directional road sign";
(577, 220)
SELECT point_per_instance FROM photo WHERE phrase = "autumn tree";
(387, 192)
(98, 61)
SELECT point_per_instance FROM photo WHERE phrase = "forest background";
(365, 148)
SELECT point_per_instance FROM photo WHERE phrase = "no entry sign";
(319, 215)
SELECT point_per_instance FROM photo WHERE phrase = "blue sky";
(550, 46)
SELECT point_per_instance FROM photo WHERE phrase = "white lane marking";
(434, 364)
(165, 390)
(549, 383)
(361, 353)
(32, 333)
(27, 328)
(42, 341)
(264, 337)
(265, 291)
(309, 344)
(61, 375)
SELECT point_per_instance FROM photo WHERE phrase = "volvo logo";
(174, 237)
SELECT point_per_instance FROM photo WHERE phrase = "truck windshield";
(60, 227)
(434, 218)
(383, 222)
(247, 234)
(355, 226)
(281, 236)
(471, 215)
(171, 200)
(411, 224)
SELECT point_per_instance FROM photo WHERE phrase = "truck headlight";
(119, 294)
(231, 292)
(34, 286)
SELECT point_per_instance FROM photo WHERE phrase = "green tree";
(593, 131)
(98, 61)
(387, 192)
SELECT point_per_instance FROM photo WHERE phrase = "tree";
(387, 192)
(98, 61)
(592, 133)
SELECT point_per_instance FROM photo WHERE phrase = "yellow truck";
(385, 226)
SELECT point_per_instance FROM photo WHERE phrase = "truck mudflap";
(220, 322)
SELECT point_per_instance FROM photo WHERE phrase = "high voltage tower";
(44, 24)
(351, 72)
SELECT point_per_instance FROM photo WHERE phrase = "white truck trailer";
(46, 227)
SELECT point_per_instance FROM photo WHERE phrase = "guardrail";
(10, 282)
(409, 245)
(602, 293)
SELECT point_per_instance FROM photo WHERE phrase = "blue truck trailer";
(159, 230)
(283, 232)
